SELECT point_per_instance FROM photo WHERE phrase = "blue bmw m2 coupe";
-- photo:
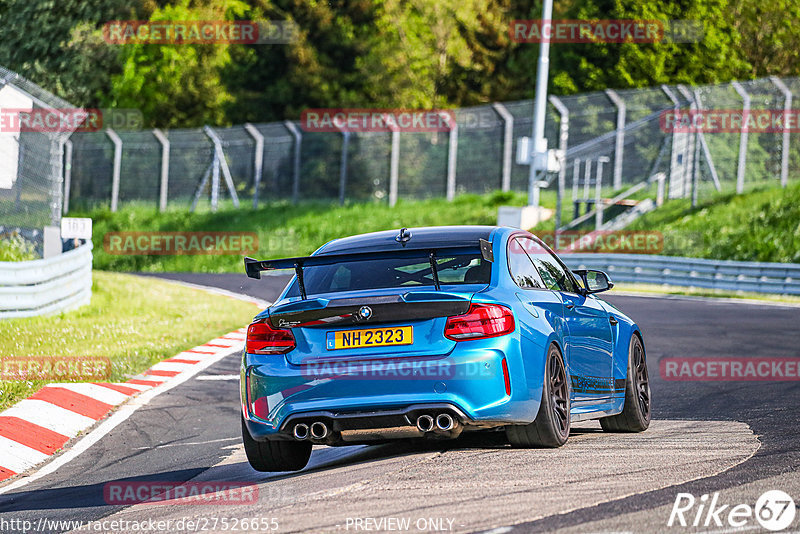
(431, 332)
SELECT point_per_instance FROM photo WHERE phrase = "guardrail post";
(258, 159)
(394, 163)
(508, 143)
(343, 166)
(298, 140)
(787, 110)
(117, 167)
(563, 138)
(222, 164)
(452, 154)
(164, 179)
(740, 170)
(67, 175)
(619, 144)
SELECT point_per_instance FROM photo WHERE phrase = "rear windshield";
(387, 273)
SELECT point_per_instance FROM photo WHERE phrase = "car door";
(589, 334)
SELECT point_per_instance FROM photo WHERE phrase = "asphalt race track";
(736, 438)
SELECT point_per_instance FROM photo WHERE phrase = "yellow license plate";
(372, 337)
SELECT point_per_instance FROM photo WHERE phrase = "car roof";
(421, 238)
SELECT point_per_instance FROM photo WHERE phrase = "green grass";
(761, 225)
(133, 321)
(283, 229)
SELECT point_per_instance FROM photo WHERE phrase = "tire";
(551, 426)
(275, 455)
(635, 416)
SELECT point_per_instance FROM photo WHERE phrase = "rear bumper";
(468, 383)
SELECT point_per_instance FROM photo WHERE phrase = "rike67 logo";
(774, 511)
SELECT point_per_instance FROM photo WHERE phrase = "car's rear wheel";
(635, 416)
(551, 426)
(275, 455)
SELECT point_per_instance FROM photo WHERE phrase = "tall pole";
(539, 160)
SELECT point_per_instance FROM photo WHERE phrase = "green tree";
(177, 84)
(54, 44)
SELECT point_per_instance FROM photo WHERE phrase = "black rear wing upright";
(253, 267)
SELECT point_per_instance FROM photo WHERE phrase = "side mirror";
(594, 281)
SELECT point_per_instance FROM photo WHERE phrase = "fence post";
(576, 178)
(452, 155)
(67, 175)
(164, 181)
(673, 158)
(787, 109)
(508, 143)
(117, 167)
(701, 138)
(258, 161)
(215, 181)
(298, 139)
(691, 140)
(563, 137)
(343, 166)
(394, 162)
(619, 144)
(598, 193)
(743, 137)
(56, 177)
(223, 164)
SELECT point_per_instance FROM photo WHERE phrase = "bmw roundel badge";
(364, 313)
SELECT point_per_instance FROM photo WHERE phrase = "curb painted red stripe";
(199, 351)
(34, 436)
(168, 374)
(181, 360)
(72, 401)
(145, 382)
(117, 387)
(213, 345)
(6, 473)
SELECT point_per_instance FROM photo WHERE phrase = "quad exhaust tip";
(425, 423)
(445, 421)
(319, 430)
(301, 431)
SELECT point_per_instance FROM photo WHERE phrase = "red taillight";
(482, 320)
(263, 339)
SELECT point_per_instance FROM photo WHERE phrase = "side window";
(522, 270)
(553, 274)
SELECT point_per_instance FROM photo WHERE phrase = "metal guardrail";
(39, 287)
(780, 278)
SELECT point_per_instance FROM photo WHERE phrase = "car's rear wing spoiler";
(254, 267)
